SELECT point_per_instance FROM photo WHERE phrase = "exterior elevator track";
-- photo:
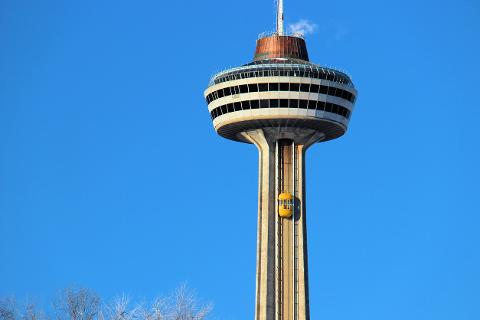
(287, 233)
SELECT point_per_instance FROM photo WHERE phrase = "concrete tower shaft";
(282, 263)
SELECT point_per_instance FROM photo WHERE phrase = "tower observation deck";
(282, 103)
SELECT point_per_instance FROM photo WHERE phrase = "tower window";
(305, 87)
(263, 87)
(273, 86)
(312, 104)
(284, 87)
(321, 105)
(252, 87)
(328, 107)
(331, 91)
(282, 103)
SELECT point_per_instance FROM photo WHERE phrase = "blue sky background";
(112, 177)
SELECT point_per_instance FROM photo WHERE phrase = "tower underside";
(282, 268)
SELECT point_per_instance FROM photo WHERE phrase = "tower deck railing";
(285, 34)
(293, 69)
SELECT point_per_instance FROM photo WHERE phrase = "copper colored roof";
(281, 47)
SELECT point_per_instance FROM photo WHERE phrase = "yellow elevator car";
(285, 204)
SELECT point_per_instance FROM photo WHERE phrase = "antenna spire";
(280, 17)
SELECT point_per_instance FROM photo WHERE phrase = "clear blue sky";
(112, 177)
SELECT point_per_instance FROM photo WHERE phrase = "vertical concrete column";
(265, 275)
(282, 262)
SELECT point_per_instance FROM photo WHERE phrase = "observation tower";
(282, 103)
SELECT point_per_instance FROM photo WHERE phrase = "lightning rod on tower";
(280, 17)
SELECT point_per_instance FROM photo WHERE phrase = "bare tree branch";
(80, 304)
(8, 309)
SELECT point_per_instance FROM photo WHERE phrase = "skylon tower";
(283, 104)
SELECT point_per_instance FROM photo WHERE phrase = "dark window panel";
(254, 104)
(331, 91)
(335, 108)
(328, 107)
(263, 87)
(230, 107)
(293, 103)
(252, 87)
(323, 89)
(273, 86)
(294, 87)
(303, 104)
(312, 104)
(350, 97)
(264, 103)
(237, 106)
(305, 87)
(283, 103)
(284, 87)
(246, 105)
(321, 105)
(274, 103)
(314, 88)
(227, 92)
(243, 88)
(220, 93)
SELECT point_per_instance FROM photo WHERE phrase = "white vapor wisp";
(302, 27)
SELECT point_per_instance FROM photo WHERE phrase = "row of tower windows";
(280, 103)
(317, 74)
(284, 86)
